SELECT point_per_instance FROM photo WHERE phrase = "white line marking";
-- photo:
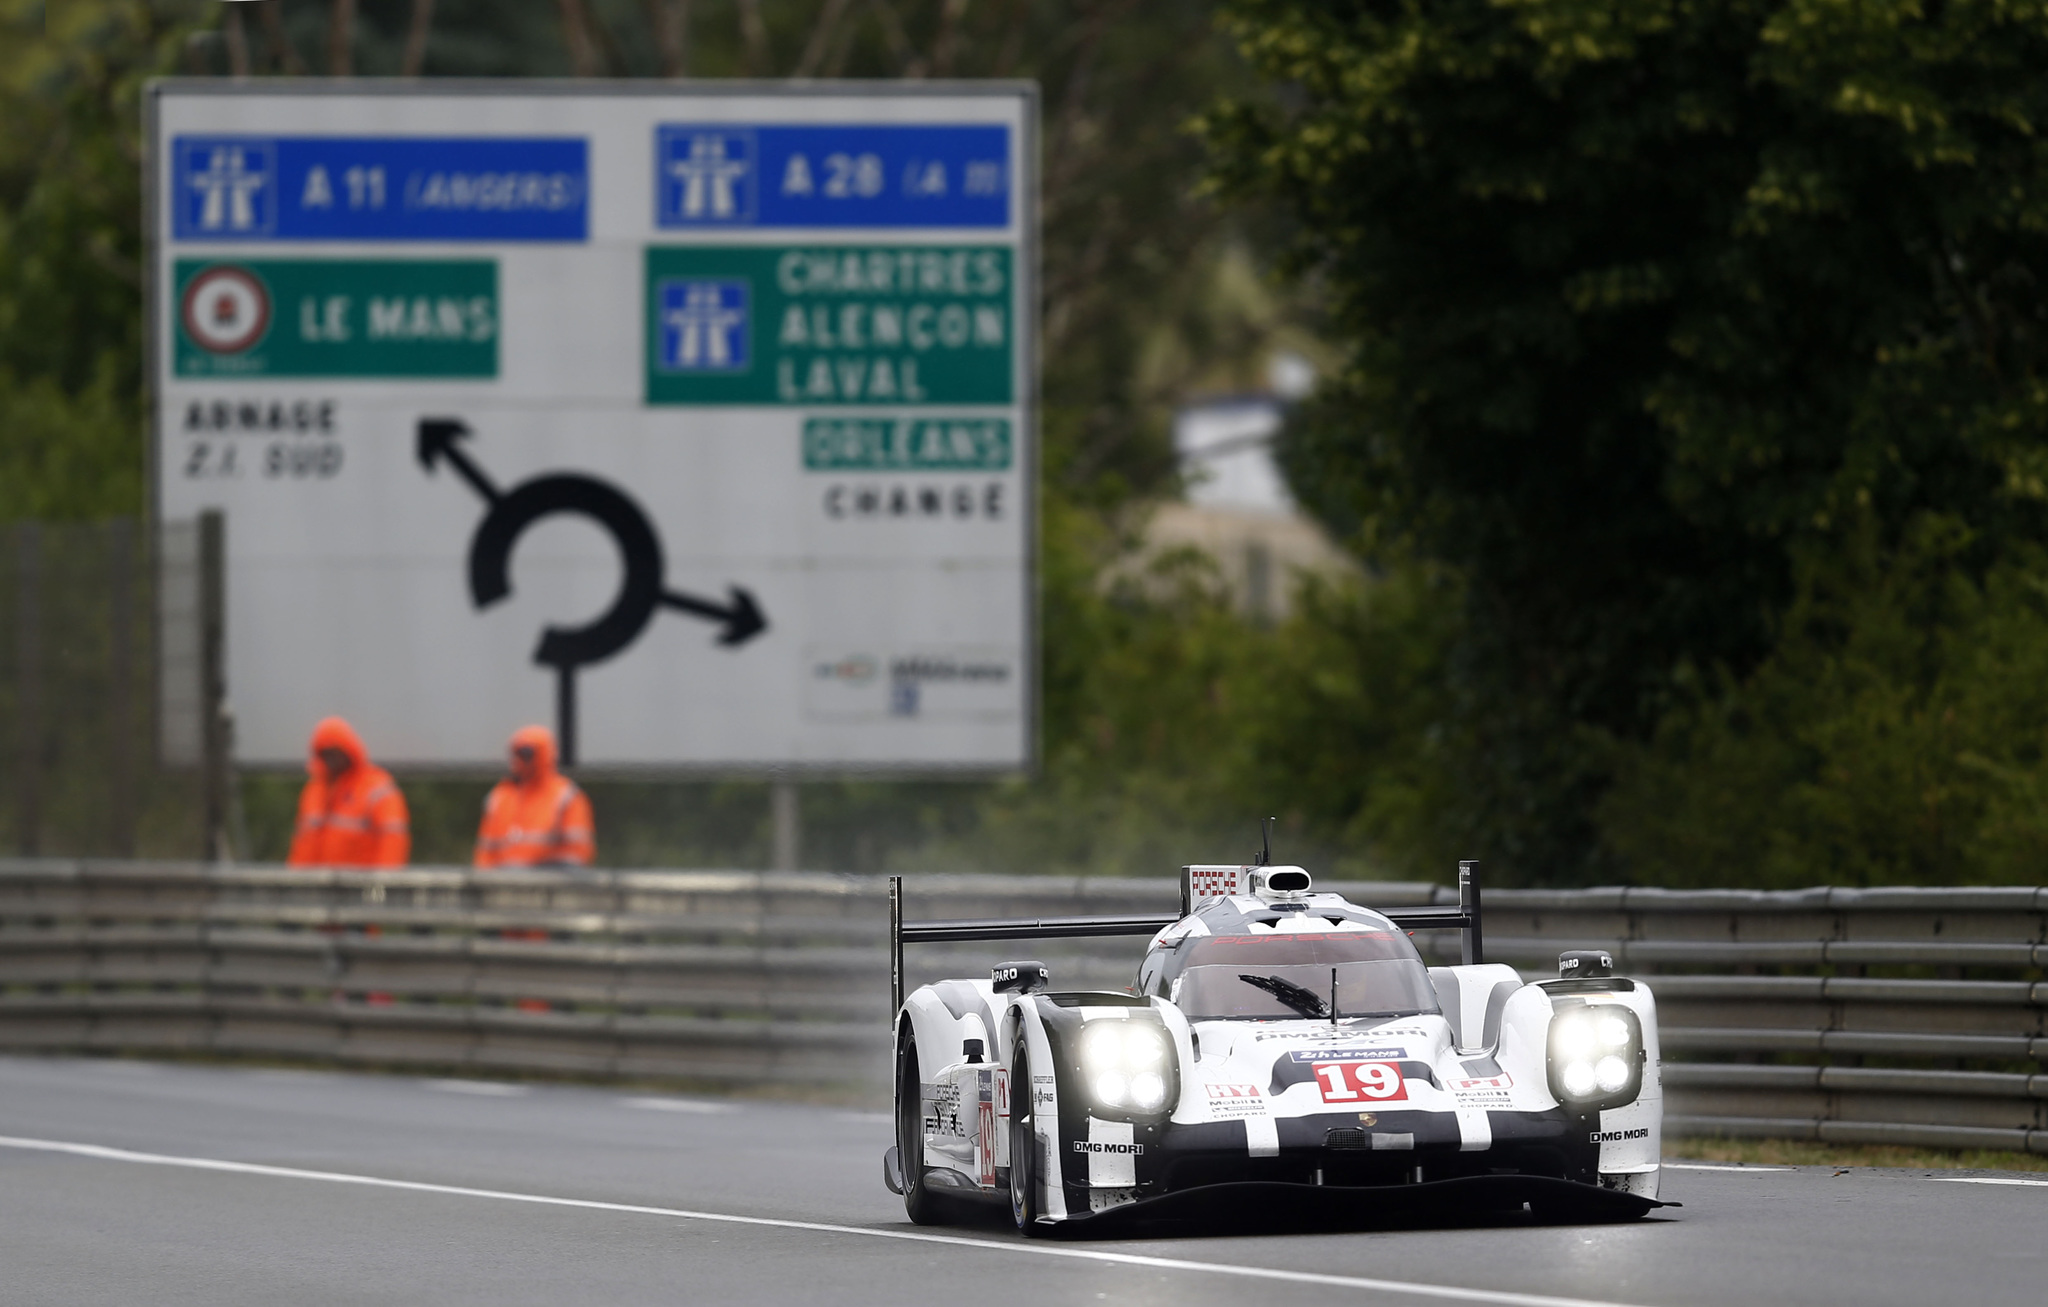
(481, 1088)
(1701, 1166)
(102, 1153)
(680, 1105)
(1985, 1179)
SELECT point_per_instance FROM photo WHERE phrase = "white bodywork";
(1488, 1051)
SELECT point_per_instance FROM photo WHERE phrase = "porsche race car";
(1281, 1050)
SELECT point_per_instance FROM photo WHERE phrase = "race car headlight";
(1578, 1079)
(1147, 1089)
(1126, 1064)
(1596, 1056)
(1610, 1074)
(1143, 1046)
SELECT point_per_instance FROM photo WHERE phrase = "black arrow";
(743, 620)
(437, 441)
(640, 590)
(490, 562)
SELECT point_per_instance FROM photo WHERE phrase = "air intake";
(1281, 884)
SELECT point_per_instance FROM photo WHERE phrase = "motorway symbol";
(229, 186)
(705, 176)
(507, 516)
(704, 325)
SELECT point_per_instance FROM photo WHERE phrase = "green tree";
(71, 251)
(1898, 733)
(1644, 300)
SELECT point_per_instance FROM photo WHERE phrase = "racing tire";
(1024, 1178)
(922, 1205)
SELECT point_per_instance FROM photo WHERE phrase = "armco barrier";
(1899, 1015)
(704, 976)
(1911, 1016)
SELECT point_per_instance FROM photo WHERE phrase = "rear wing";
(1197, 884)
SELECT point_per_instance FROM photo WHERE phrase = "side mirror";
(1585, 963)
(1020, 978)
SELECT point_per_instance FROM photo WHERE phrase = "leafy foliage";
(71, 253)
(1172, 724)
(1647, 301)
(1898, 734)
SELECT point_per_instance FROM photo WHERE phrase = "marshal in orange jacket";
(352, 815)
(536, 817)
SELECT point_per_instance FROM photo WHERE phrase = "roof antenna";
(1266, 842)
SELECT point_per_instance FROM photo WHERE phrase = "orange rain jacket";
(536, 817)
(357, 819)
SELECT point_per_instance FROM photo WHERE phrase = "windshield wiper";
(1305, 1001)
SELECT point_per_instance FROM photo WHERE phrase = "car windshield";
(1367, 973)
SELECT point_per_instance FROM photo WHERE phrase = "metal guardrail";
(698, 976)
(1894, 1015)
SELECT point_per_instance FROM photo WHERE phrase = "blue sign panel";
(704, 325)
(717, 175)
(380, 188)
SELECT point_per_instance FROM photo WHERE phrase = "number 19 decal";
(1358, 1082)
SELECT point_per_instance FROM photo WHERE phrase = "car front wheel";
(1024, 1175)
(923, 1206)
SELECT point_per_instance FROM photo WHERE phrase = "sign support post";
(787, 819)
(215, 764)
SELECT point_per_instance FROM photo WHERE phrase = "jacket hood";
(334, 733)
(542, 741)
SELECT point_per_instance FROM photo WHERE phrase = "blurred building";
(1237, 508)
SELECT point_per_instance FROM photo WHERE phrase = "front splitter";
(1272, 1204)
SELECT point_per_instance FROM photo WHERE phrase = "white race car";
(1282, 1052)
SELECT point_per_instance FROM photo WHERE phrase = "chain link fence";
(85, 718)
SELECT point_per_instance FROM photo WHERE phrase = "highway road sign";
(697, 421)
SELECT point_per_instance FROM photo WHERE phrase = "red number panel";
(1360, 1082)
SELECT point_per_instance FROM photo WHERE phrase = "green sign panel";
(336, 318)
(895, 325)
(906, 445)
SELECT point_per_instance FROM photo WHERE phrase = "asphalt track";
(134, 1182)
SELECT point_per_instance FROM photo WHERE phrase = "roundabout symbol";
(507, 515)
